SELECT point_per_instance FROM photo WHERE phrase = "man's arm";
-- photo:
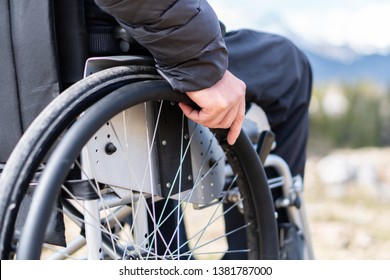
(185, 39)
(183, 36)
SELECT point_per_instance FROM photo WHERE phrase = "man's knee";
(269, 64)
(296, 63)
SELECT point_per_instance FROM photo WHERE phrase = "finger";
(203, 117)
(236, 126)
(216, 120)
(190, 112)
(233, 133)
(218, 117)
(229, 117)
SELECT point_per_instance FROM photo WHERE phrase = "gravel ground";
(349, 216)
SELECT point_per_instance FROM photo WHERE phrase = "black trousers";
(279, 80)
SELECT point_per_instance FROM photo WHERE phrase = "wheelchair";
(111, 169)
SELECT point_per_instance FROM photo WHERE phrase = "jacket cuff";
(200, 72)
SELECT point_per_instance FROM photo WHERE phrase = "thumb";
(189, 112)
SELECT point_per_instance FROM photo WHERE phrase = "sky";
(363, 25)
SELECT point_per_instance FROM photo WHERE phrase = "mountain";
(332, 63)
(374, 67)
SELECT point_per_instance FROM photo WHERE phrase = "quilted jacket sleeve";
(184, 37)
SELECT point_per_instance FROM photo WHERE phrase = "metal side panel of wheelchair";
(128, 153)
(125, 154)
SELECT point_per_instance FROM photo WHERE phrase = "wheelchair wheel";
(133, 179)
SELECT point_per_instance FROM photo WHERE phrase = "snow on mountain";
(331, 62)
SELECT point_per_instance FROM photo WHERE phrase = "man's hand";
(222, 106)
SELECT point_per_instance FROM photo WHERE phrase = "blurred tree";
(349, 116)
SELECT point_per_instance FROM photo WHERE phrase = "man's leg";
(279, 80)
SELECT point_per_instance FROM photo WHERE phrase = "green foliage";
(349, 116)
